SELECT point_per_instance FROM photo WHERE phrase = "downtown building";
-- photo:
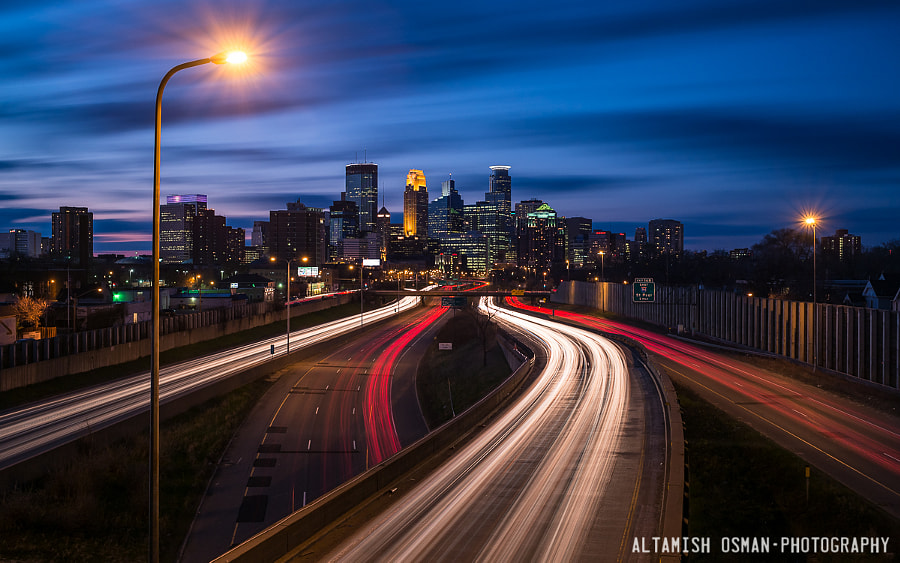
(176, 227)
(298, 232)
(445, 214)
(20, 242)
(415, 205)
(497, 224)
(73, 235)
(361, 187)
(842, 245)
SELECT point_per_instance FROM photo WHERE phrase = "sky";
(733, 117)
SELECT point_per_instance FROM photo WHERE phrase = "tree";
(30, 310)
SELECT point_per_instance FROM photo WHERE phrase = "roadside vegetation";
(450, 381)
(744, 485)
(95, 507)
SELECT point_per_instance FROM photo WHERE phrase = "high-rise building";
(343, 224)
(523, 208)
(176, 227)
(214, 242)
(842, 245)
(445, 214)
(73, 234)
(383, 230)
(415, 205)
(541, 233)
(578, 231)
(298, 232)
(362, 187)
(666, 237)
(498, 227)
(22, 242)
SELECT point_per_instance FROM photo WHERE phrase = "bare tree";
(29, 310)
(485, 328)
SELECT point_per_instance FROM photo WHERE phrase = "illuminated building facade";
(298, 232)
(445, 214)
(361, 186)
(415, 205)
(497, 225)
(842, 245)
(176, 227)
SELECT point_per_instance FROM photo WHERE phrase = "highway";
(574, 469)
(854, 444)
(40, 427)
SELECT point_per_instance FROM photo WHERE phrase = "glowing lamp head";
(810, 220)
(230, 57)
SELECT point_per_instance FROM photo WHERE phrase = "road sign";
(644, 290)
(458, 302)
(518, 293)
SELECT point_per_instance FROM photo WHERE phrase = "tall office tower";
(383, 230)
(214, 242)
(666, 237)
(297, 233)
(415, 205)
(445, 214)
(498, 226)
(542, 248)
(578, 231)
(260, 233)
(523, 208)
(21, 242)
(344, 224)
(73, 234)
(176, 227)
(362, 187)
(842, 245)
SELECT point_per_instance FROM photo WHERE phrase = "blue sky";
(733, 117)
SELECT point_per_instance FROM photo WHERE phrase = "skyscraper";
(214, 242)
(415, 205)
(176, 227)
(445, 214)
(498, 226)
(362, 187)
(344, 224)
(542, 233)
(666, 237)
(73, 234)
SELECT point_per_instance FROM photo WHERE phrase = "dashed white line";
(308, 445)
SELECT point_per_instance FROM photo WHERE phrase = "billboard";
(371, 262)
(308, 271)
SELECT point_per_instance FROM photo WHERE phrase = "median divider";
(282, 537)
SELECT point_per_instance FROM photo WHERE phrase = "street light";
(287, 301)
(75, 306)
(221, 58)
(811, 222)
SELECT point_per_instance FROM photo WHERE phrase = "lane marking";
(308, 445)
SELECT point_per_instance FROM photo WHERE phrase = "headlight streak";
(565, 428)
(39, 427)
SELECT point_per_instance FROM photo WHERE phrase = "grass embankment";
(744, 485)
(96, 507)
(38, 391)
(459, 376)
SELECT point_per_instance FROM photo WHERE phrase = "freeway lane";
(573, 470)
(849, 441)
(326, 420)
(40, 427)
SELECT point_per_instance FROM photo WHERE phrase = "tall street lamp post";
(811, 222)
(287, 301)
(602, 274)
(221, 58)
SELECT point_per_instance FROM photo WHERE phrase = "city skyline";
(733, 119)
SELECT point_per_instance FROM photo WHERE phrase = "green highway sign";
(458, 302)
(644, 290)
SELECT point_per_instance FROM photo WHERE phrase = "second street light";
(287, 301)
(235, 57)
(811, 222)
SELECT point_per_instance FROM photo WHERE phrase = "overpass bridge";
(460, 293)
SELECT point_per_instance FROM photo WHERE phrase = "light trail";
(37, 428)
(529, 485)
(845, 433)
